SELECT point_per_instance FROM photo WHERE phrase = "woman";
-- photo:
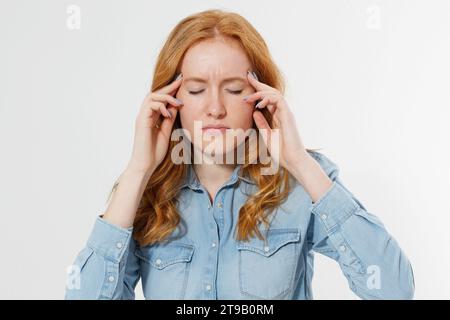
(223, 229)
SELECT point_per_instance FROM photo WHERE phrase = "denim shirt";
(202, 259)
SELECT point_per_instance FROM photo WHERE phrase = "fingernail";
(179, 101)
(254, 75)
(179, 76)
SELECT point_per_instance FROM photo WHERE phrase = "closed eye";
(196, 92)
(231, 91)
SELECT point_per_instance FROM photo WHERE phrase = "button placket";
(215, 209)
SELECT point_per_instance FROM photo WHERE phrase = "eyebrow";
(197, 79)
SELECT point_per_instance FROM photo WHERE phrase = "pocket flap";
(276, 238)
(163, 255)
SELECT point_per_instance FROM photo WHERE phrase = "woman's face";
(213, 87)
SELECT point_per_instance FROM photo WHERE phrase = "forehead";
(215, 58)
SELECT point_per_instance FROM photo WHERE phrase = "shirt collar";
(193, 182)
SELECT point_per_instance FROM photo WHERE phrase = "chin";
(209, 147)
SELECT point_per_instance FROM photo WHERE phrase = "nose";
(216, 108)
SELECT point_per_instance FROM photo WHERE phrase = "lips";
(214, 129)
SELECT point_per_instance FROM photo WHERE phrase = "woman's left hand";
(291, 148)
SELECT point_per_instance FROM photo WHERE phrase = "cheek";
(186, 118)
(242, 115)
(188, 114)
(191, 111)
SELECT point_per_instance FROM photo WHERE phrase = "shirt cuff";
(334, 207)
(108, 240)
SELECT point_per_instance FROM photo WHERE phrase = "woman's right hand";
(151, 138)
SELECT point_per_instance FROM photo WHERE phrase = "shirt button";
(158, 261)
(213, 244)
(219, 205)
(110, 278)
(266, 249)
(323, 216)
(119, 245)
(342, 248)
(209, 206)
(208, 287)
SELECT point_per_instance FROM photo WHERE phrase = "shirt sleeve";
(106, 268)
(369, 257)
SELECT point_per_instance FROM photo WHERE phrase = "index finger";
(171, 87)
(254, 82)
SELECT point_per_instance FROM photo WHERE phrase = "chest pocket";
(267, 268)
(165, 269)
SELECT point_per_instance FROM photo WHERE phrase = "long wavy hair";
(157, 216)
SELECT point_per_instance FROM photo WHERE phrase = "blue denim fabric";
(202, 259)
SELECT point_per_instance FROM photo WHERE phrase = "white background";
(368, 82)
